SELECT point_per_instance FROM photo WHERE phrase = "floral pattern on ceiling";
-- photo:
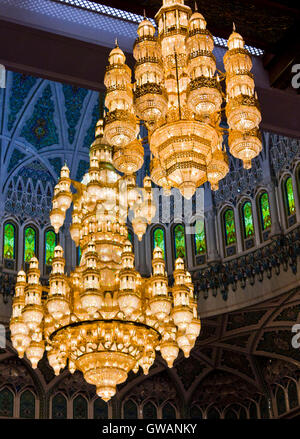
(45, 121)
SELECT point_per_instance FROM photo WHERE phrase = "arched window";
(243, 413)
(78, 255)
(289, 197)
(293, 395)
(100, 409)
(6, 403)
(213, 414)
(229, 227)
(253, 410)
(230, 414)
(264, 210)
(80, 408)
(29, 243)
(149, 411)
(200, 240)
(9, 247)
(264, 408)
(59, 407)
(130, 236)
(27, 405)
(168, 411)
(196, 412)
(179, 241)
(130, 410)
(280, 400)
(50, 243)
(247, 217)
(159, 240)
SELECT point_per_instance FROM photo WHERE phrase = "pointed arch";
(80, 407)
(179, 241)
(30, 243)
(149, 410)
(59, 406)
(130, 409)
(159, 240)
(27, 405)
(6, 403)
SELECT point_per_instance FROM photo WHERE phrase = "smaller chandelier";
(104, 319)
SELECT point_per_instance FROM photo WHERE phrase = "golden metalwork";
(176, 87)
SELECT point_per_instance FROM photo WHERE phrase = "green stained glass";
(80, 408)
(130, 237)
(290, 199)
(27, 405)
(50, 246)
(6, 404)
(200, 242)
(248, 220)
(179, 237)
(59, 407)
(30, 244)
(265, 211)
(230, 235)
(9, 241)
(78, 255)
(159, 240)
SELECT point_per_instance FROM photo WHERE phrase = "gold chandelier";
(103, 319)
(178, 95)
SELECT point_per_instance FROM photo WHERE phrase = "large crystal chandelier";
(103, 319)
(178, 95)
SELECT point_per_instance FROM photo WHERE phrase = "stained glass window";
(59, 407)
(27, 405)
(289, 195)
(247, 220)
(168, 412)
(196, 413)
(229, 226)
(9, 241)
(179, 239)
(265, 214)
(130, 236)
(50, 243)
(130, 410)
(159, 239)
(149, 411)
(100, 409)
(80, 408)
(78, 255)
(30, 244)
(200, 241)
(6, 403)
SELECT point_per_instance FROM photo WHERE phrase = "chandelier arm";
(92, 322)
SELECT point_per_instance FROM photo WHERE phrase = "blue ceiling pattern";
(40, 129)
(47, 122)
(43, 124)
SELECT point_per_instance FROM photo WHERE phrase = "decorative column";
(212, 249)
(276, 227)
(238, 230)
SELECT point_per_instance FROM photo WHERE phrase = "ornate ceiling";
(261, 22)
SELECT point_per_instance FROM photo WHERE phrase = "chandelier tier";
(103, 319)
(178, 95)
